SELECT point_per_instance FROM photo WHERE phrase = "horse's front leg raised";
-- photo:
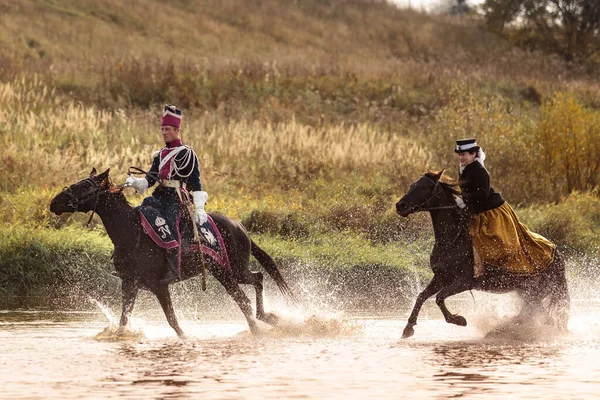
(457, 286)
(164, 297)
(129, 291)
(432, 288)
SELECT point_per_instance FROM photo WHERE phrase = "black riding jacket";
(477, 193)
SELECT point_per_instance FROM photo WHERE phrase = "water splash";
(113, 332)
(533, 329)
(316, 326)
(105, 310)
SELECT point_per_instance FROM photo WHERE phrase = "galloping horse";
(452, 262)
(140, 263)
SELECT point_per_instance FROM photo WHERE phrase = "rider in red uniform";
(175, 167)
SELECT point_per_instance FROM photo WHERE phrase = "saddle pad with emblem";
(212, 243)
(157, 228)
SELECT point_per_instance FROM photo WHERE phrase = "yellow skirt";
(505, 243)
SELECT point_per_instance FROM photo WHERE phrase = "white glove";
(199, 200)
(139, 184)
(460, 202)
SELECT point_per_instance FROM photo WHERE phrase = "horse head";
(423, 195)
(83, 195)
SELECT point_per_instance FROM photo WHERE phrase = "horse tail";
(269, 265)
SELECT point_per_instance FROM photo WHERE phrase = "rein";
(138, 171)
(436, 194)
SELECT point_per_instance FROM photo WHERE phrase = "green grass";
(34, 258)
(65, 254)
(574, 224)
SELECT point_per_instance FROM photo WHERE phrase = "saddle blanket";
(162, 234)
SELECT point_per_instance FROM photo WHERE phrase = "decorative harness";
(94, 191)
(436, 194)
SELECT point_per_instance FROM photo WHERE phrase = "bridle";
(93, 192)
(437, 191)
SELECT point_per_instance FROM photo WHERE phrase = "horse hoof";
(408, 332)
(457, 320)
(270, 319)
(254, 329)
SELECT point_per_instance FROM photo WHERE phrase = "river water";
(57, 355)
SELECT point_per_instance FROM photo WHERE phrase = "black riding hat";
(469, 145)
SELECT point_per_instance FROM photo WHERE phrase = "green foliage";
(568, 28)
(574, 224)
(532, 157)
(568, 143)
(71, 260)
(346, 250)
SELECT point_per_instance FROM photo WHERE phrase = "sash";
(168, 157)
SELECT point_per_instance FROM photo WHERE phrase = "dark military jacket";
(183, 166)
(477, 193)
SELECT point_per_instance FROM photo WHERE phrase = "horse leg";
(555, 288)
(164, 297)
(258, 288)
(456, 287)
(129, 291)
(243, 302)
(256, 279)
(561, 303)
(433, 287)
(532, 305)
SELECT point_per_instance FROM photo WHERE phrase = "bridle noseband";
(436, 194)
(94, 191)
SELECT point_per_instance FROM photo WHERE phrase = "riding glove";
(459, 202)
(139, 184)
(200, 198)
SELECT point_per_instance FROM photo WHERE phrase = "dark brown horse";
(140, 263)
(453, 267)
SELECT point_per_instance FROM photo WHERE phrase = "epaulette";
(155, 154)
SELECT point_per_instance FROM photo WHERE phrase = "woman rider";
(500, 241)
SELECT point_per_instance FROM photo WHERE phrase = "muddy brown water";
(58, 355)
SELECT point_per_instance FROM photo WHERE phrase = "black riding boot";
(172, 274)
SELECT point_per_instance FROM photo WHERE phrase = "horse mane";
(115, 189)
(448, 184)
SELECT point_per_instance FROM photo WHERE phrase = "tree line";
(569, 28)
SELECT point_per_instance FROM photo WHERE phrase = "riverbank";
(378, 265)
(310, 120)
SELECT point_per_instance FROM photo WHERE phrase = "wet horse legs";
(129, 291)
(256, 279)
(164, 298)
(456, 287)
(432, 288)
(232, 287)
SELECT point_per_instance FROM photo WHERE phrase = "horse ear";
(439, 174)
(104, 179)
(93, 173)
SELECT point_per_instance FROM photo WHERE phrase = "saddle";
(158, 229)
